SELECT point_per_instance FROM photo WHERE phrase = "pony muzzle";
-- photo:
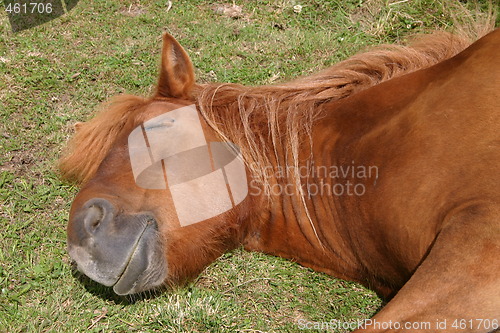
(122, 251)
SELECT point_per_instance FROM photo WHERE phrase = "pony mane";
(94, 139)
(270, 124)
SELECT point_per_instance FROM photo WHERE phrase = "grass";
(56, 74)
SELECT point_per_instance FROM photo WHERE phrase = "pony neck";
(287, 207)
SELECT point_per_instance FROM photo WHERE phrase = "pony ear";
(176, 71)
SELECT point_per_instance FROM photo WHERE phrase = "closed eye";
(162, 124)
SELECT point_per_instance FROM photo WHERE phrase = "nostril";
(97, 212)
(93, 218)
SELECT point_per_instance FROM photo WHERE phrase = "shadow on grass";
(107, 293)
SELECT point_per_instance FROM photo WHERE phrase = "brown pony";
(383, 169)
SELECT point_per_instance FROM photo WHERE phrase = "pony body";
(421, 229)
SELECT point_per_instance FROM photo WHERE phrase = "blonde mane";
(272, 123)
(269, 123)
(94, 139)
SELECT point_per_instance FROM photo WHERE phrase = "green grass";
(56, 74)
